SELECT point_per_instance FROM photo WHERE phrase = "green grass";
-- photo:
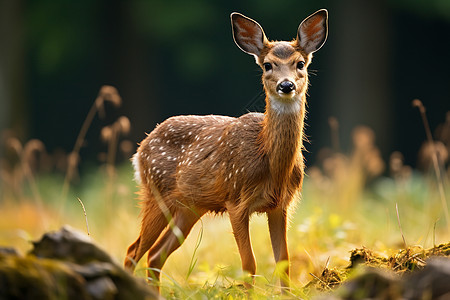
(330, 220)
(346, 203)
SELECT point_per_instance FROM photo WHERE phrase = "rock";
(432, 282)
(372, 284)
(33, 278)
(9, 251)
(102, 288)
(70, 245)
(65, 264)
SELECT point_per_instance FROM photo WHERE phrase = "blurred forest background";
(177, 57)
(369, 185)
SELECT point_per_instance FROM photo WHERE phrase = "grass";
(347, 203)
(323, 231)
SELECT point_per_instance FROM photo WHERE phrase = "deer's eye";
(267, 66)
(300, 65)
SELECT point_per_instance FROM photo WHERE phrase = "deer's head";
(284, 64)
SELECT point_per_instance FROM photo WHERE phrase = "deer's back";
(204, 161)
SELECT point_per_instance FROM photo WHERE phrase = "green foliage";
(427, 8)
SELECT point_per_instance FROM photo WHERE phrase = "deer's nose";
(286, 87)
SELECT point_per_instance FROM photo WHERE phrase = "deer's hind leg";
(173, 237)
(154, 220)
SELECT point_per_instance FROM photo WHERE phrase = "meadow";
(349, 200)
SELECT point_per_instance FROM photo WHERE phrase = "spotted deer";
(191, 165)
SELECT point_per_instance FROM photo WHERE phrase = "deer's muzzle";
(285, 87)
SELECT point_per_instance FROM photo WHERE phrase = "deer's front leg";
(277, 220)
(240, 223)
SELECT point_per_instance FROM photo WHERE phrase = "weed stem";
(417, 103)
(85, 216)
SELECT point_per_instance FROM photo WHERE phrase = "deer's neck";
(282, 136)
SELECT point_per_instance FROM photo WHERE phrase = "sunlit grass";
(324, 228)
(347, 202)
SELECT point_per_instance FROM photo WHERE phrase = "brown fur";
(191, 165)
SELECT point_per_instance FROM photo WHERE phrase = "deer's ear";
(312, 32)
(247, 34)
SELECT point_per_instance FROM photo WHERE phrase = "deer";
(192, 165)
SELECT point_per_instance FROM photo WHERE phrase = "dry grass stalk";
(85, 216)
(110, 134)
(27, 154)
(328, 279)
(106, 93)
(417, 103)
(334, 127)
(400, 226)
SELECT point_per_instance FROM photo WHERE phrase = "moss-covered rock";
(32, 278)
(66, 265)
(411, 273)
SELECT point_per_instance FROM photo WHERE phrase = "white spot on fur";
(137, 168)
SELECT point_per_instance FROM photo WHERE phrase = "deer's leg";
(179, 227)
(130, 259)
(277, 220)
(240, 223)
(153, 223)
